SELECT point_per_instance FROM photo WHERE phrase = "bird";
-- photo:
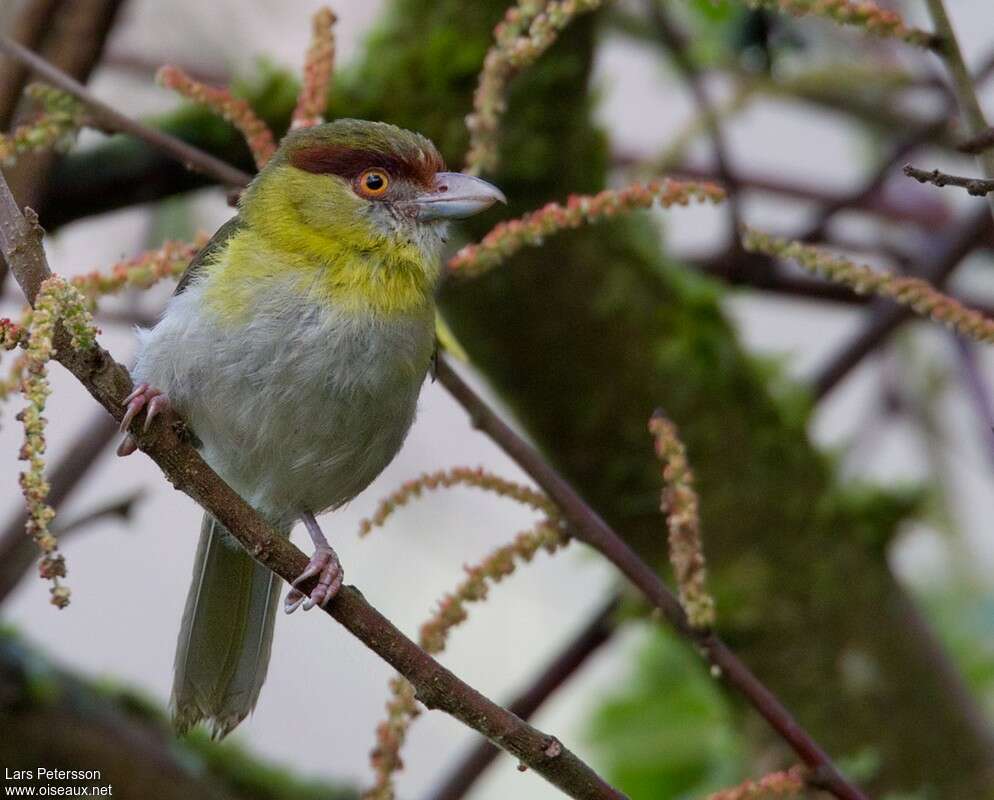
(294, 348)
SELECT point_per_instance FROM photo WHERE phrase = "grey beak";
(456, 196)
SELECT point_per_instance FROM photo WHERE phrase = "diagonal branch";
(587, 526)
(113, 120)
(438, 688)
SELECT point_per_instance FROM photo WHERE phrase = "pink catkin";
(917, 294)
(234, 109)
(509, 237)
(789, 783)
(863, 14)
(680, 505)
(318, 66)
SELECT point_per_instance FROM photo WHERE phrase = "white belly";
(300, 408)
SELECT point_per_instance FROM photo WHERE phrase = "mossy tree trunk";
(585, 336)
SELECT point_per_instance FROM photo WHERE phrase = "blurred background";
(846, 506)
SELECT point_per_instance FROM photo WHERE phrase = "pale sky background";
(325, 692)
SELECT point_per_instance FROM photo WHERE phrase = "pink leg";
(142, 396)
(324, 563)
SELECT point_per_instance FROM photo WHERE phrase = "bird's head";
(369, 183)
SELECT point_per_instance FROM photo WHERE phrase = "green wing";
(201, 259)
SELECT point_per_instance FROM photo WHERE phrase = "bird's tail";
(226, 634)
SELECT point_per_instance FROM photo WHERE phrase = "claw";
(323, 563)
(141, 396)
(294, 599)
(127, 446)
(156, 406)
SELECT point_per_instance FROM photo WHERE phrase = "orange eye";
(373, 183)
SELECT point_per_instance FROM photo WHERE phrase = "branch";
(32, 23)
(978, 187)
(587, 526)
(594, 635)
(978, 144)
(676, 43)
(110, 119)
(966, 94)
(437, 688)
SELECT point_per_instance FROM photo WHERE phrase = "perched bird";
(295, 348)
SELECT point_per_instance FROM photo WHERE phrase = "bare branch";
(978, 187)
(110, 119)
(587, 526)
(966, 94)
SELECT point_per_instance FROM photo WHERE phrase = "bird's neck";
(346, 266)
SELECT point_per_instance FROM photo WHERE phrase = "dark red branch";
(111, 119)
(587, 526)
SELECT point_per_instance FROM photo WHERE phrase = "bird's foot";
(325, 564)
(142, 396)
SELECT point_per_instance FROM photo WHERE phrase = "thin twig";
(675, 41)
(166, 443)
(978, 187)
(587, 526)
(966, 94)
(110, 119)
